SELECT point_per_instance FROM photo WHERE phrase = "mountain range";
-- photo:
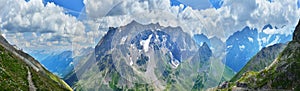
(244, 44)
(141, 57)
(281, 74)
(152, 57)
(59, 64)
(239, 47)
(261, 60)
(136, 42)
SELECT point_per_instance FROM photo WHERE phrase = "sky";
(73, 7)
(45, 27)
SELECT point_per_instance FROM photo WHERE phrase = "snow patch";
(146, 43)
(123, 39)
(174, 62)
(71, 63)
(259, 43)
(242, 47)
(250, 39)
(264, 40)
(270, 31)
(230, 46)
(277, 39)
(284, 30)
(131, 63)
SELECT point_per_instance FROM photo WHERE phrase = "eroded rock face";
(296, 35)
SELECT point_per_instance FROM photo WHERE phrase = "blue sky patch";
(73, 7)
(196, 4)
(216, 3)
(177, 3)
(298, 3)
(271, 1)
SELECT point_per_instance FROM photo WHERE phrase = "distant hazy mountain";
(20, 71)
(261, 60)
(148, 57)
(282, 74)
(241, 46)
(81, 64)
(59, 64)
(201, 38)
(244, 44)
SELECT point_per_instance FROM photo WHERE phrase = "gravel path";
(31, 85)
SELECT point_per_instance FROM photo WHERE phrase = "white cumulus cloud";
(39, 26)
(222, 22)
(33, 25)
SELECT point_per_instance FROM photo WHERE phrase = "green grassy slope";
(14, 73)
(282, 74)
(261, 60)
(228, 73)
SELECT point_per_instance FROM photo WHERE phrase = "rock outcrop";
(296, 34)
